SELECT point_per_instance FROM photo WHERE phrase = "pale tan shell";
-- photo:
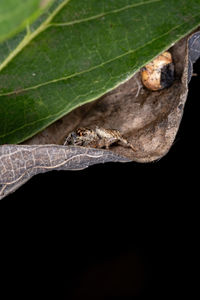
(151, 73)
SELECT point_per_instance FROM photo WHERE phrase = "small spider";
(96, 138)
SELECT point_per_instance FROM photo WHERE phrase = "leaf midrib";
(30, 36)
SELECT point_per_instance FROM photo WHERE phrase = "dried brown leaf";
(149, 120)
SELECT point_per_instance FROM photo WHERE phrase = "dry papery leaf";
(149, 120)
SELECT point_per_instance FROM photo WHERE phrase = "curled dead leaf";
(148, 120)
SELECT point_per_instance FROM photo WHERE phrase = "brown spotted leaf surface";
(149, 120)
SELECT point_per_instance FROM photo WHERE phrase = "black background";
(115, 229)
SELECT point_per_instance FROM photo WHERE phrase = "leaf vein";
(30, 36)
(103, 14)
(97, 66)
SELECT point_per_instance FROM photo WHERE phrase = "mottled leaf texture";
(19, 163)
(17, 14)
(79, 51)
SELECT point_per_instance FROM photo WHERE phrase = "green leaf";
(17, 14)
(79, 52)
